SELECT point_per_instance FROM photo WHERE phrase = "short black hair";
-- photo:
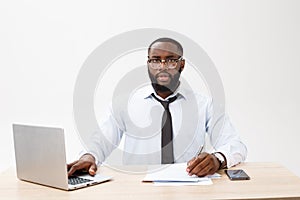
(165, 39)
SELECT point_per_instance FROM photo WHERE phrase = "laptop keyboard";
(77, 180)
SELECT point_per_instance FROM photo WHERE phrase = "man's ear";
(182, 64)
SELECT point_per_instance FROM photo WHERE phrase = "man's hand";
(85, 163)
(202, 165)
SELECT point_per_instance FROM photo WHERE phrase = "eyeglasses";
(157, 63)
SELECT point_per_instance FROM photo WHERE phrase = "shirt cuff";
(230, 160)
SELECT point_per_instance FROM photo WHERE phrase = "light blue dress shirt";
(138, 122)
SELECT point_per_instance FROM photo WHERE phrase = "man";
(166, 123)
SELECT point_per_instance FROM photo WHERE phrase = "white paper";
(177, 173)
(207, 182)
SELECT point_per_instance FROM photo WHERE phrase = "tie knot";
(165, 104)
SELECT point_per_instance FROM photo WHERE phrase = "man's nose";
(163, 64)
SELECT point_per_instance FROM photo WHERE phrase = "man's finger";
(78, 166)
(199, 169)
(203, 171)
(190, 161)
(195, 162)
(72, 170)
(71, 164)
(93, 169)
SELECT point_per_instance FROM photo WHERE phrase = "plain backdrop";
(254, 44)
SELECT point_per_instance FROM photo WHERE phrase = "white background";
(255, 46)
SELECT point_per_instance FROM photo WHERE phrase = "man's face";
(164, 79)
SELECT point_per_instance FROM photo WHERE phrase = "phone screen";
(237, 174)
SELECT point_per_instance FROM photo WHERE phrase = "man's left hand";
(202, 165)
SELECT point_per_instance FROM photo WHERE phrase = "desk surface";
(268, 181)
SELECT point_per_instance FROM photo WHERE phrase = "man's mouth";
(163, 77)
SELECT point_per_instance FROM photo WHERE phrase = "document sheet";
(175, 174)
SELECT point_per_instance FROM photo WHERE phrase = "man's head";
(165, 64)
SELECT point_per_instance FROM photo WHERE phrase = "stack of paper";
(175, 175)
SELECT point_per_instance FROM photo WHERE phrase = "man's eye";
(171, 60)
(155, 60)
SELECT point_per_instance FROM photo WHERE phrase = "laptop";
(41, 158)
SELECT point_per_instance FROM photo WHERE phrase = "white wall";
(254, 44)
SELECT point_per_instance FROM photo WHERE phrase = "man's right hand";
(85, 163)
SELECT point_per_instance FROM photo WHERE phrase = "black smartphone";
(237, 174)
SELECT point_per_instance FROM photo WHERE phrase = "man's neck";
(164, 95)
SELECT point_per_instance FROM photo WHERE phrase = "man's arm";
(229, 150)
(229, 144)
(100, 145)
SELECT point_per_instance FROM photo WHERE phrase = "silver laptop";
(41, 158)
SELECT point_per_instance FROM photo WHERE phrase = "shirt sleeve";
(103, 141)
(224, 138)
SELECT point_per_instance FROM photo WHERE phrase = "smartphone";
(237, 174)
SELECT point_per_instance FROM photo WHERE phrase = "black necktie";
(167, 156)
